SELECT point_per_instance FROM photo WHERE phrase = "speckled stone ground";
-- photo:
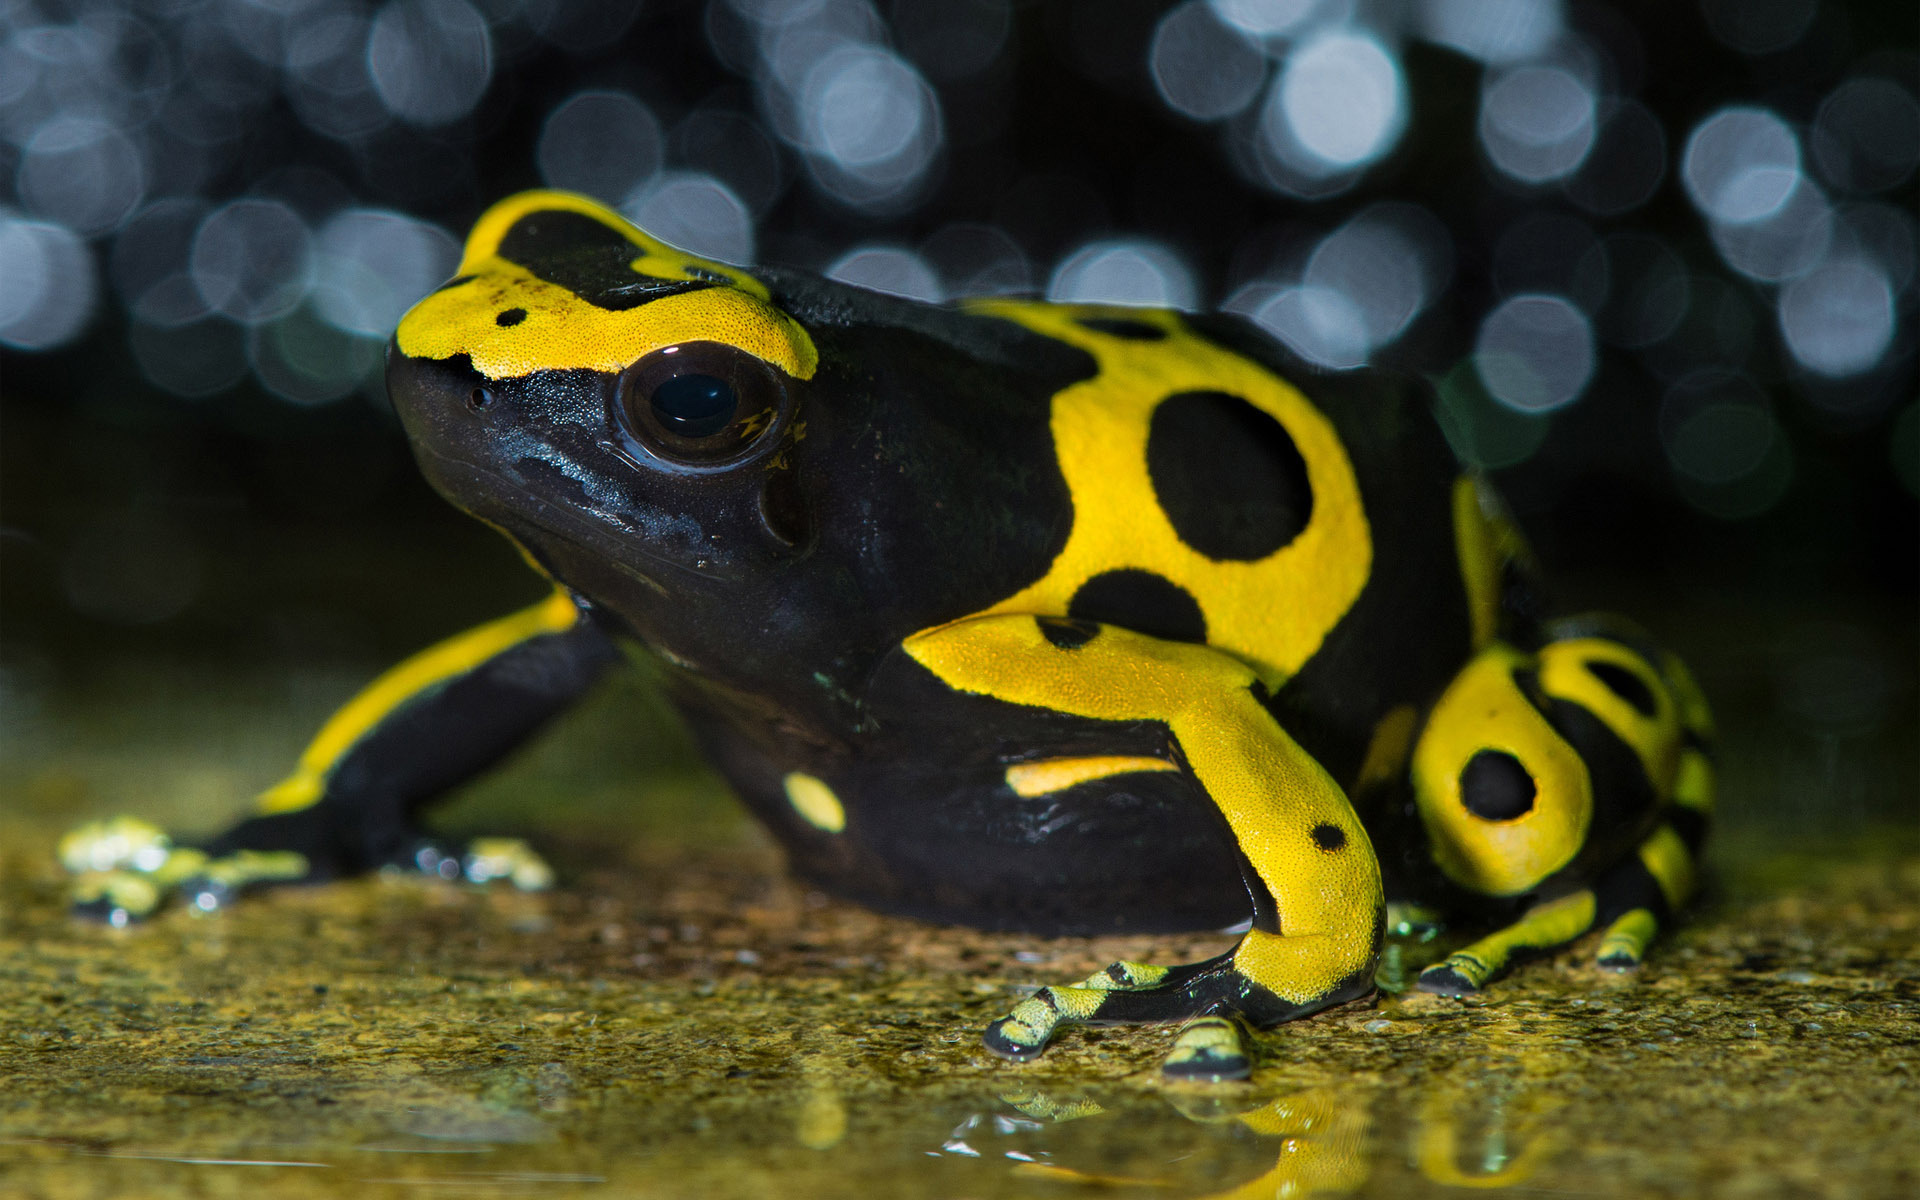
(679, 1020)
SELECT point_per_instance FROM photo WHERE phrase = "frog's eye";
(701, 403)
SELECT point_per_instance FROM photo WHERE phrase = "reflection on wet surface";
(679, 1019)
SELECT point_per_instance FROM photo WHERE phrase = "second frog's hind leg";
(429, 723)
(1578, 775)
(1313, 945)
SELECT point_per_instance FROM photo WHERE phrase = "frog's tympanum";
(1051, 617)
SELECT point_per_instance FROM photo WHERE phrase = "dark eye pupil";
(695, 406)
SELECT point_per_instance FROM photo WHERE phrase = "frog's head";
(583, 385)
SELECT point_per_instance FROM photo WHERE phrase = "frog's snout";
(428, 391)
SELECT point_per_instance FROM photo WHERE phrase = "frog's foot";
(1131, 993)
(124, 869)
(1209, 1050)
(482, 860)
(1544, 926)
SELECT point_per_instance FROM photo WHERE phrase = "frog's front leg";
(1319, 913)
(350, 805)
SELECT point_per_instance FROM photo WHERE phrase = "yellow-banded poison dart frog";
(1049, 617)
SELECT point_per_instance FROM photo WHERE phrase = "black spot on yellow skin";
(589, 259)
(1624, 684)
(511, 317)
(1143, 602)
(1229, 478)
(1066, 635)
(1495, 787)
(1120, 327)
(1329, 837)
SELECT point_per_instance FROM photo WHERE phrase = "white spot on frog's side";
(815, 802)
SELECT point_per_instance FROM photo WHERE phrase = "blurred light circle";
(1320, 324)
(1342, 97)
(1790, 241)
(1648, 290)
(1626, 164)
(1264, 18)
(372, 264)
(193, 358)
(977, 260)
(1483, 432)
(306, 361)
(1838, 318)
(602, 144)
(132, 568)
(1741, 165)
(1493, 31)
(1866, 137)
(328, 79)
(251, 260)
(1204, 69)
(1383, 266)
(864, 106)
(777, 12)
(1759, 26)
(1537, 122)
(1534, 353)
(891, 269)
(431, 60)
(1716, 427)
(695, 212)
(47, 285)
(1124, 271)
(83, 172)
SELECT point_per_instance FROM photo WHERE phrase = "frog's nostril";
(480, 399)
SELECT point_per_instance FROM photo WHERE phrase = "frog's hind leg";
(427, 724)
(1319, 916)
(1535, 774)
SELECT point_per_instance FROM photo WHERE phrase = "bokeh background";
(1658, 258)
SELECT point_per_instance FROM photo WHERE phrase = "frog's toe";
(1023, 1033)
(1459, 975)
(115, 844)
(483, 860)
(1208, 1050)
(116, 897)
(1624, 945)
(511, 859)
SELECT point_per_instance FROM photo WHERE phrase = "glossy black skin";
(916, 484)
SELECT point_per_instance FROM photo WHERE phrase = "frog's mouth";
(625, 537)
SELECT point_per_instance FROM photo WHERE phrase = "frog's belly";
(923, 820)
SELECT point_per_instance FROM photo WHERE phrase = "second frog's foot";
(482, 860)
(1208, 1050)
(125, 869)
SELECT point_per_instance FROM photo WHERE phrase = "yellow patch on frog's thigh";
(1273, 611)
(1285, 813)
(1045, 776)
(1625, 692)
(1483, 734)
(559, 330)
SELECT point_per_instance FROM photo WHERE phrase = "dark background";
(201, 465)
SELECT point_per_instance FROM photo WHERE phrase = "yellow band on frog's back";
(510, 322)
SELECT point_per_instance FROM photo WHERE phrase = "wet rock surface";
(687, 1022)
